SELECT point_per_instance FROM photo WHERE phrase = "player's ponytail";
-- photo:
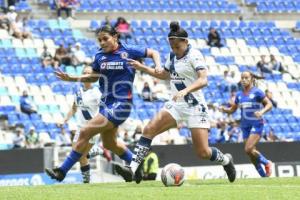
(108, 29)
(176, 32)
(255, 78)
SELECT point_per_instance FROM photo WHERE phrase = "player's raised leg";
(96, 125)
(162, 122)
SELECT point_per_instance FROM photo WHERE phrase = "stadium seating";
(275, 6)
(206, 6)
(54, 97)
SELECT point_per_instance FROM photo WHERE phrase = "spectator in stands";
(263, 66)
(4, 22)
(73, 5)
(222, 132)
(45, 139)
(123, 28)
(230, 82)
(216, 117)
(64, 5)
(32, 138)
(20, 29)
(78, 56)
(276, 65)
(47, 58)
(214, 39)
(146, 92)
(137, 133)
(234, 133)
(12, 14)
(26, 104)
(61, 56)
(19, 138)
(63, 139)
(269, 94)
(150, 166)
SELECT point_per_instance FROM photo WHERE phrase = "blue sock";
(262, 159)
(260, 170)
(127, 156)
(72, 158)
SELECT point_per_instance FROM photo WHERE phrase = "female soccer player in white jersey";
(115, 77)
(187, 74)
(254, 104)
(85, 106)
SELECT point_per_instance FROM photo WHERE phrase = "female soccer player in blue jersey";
(116, 78)
(188, 75)
(253, 104)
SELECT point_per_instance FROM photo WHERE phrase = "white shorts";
(191, 116)
(93, 140)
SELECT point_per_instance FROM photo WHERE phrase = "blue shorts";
(252, 129)
(116, 112)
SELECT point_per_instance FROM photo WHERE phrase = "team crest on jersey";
(103, 57)
(251, 96)
(103, 65)
(124, 55)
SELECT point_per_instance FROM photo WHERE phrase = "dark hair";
(177, 31)
(254, 77)
(107, 29)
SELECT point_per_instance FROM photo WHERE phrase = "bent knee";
(249, 150)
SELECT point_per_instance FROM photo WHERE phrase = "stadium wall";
(185, 155)
(284, 155)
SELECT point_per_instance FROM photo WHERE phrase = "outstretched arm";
(151, 53)
(93, 77)
(158, 72)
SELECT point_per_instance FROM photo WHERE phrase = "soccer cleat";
(230, 169)
(138, 176)
(125, 172)
(268, 168)
(86, 177)
(55, 173)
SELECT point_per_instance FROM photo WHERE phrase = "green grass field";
(254, 189)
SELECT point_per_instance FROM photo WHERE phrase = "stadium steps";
(41, 11)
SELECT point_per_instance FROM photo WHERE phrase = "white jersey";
(87, 103)
(183, 72)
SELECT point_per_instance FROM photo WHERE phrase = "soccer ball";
(172, 175)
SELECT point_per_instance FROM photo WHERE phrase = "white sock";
(134, 165)
(225, 160)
